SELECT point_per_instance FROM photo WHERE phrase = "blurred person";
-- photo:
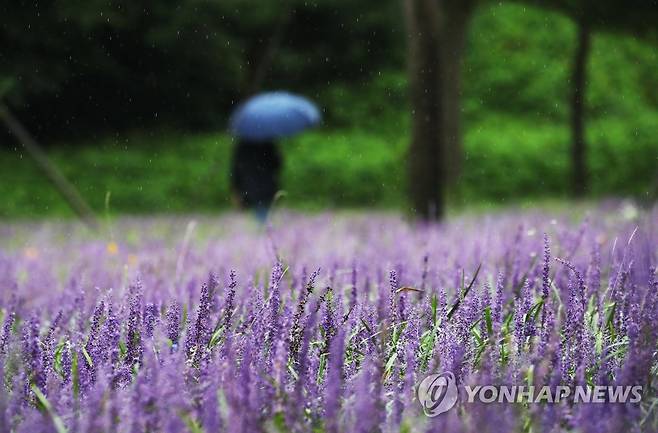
(258, 123)
(255, 175)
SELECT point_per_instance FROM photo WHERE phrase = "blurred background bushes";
(132, 98)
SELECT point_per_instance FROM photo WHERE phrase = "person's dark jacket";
(255, 173)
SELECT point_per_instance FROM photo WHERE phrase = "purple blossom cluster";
(325, 323)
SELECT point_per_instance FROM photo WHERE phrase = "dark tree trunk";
(65, 188)
(579, 82)
(457, 14)
(436, 31)
(425, 151)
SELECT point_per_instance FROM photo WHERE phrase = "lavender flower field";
(326, 323)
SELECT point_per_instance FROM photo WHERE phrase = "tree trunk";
(425, 150)
(457, 14)
(436, 31)
(579, 82)
(65, 188)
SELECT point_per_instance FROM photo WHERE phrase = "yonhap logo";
(438, 393)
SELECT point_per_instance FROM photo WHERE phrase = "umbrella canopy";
(273, 115)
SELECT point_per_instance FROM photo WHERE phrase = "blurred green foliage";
(348, 58)
(506, 159)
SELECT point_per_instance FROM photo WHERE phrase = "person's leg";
(261, 211)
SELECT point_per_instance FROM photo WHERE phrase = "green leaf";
(192, 424)
(590, 313)
(478, 337)
(464, 292)
(216, 337)
(389, 365)
(620, 349)
(488, 321)
(184, 318)
(321, 367)
(75, 374)
(598, 343)
(122, 348)
(531, 315)
(397, 332)
(279, 421)
(506, 323)
(57, 361)
(292, 371)
(435, 304)
(45, 405)
(90, 363)
(530, 374)
(610, 318)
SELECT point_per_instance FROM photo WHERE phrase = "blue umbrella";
(273, 115)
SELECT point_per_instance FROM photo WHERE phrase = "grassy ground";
(506, 160)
